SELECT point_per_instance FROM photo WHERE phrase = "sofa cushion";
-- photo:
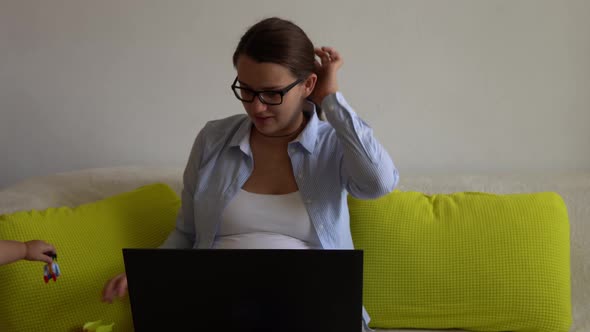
(473, 261)
(88, 239)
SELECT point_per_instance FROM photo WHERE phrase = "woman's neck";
(281, 138)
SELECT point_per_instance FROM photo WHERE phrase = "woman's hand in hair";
(326, 69)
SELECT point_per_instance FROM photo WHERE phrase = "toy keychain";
(51, 271)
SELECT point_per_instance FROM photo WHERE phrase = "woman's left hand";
(326, 70)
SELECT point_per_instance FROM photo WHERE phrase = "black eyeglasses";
(269, 97)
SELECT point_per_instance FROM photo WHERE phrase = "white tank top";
(256, 221)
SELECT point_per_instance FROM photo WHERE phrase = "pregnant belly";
(260, 241)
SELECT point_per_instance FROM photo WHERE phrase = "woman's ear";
(309, 84)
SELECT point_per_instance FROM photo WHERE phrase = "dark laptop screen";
(245, 290)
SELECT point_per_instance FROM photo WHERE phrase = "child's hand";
(116, 287)
(38, 250)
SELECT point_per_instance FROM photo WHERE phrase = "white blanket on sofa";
(74, 188)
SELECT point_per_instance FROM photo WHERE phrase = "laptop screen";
(245, 290)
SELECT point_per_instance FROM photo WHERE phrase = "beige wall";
(449, 86)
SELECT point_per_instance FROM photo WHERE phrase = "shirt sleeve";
(184, 235)
(366, 169)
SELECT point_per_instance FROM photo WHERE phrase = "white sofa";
(74, 188)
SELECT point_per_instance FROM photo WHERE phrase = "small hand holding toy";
(51, 271)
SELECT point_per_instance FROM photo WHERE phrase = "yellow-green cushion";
(474, 261)
(89, 240)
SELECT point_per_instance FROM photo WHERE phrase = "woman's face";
(273, 120)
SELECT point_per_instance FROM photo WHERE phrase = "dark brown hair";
(278, 41)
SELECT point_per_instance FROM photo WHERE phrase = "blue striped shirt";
(329, 159)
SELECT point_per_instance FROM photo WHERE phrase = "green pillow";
(89, 239)
(473, 261)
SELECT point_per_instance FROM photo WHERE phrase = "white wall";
(449, 86)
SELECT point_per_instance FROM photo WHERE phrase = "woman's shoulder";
(225, 124)
(326, 132)
(222, 131)
(217, 134)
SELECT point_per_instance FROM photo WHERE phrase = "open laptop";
(245, 290)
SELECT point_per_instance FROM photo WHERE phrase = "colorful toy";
(51, 271)
(98, 326)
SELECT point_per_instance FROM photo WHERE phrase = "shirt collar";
(241, 137)
(308, 137)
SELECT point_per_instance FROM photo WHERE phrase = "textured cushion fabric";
(473, 261)
(89, 239)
